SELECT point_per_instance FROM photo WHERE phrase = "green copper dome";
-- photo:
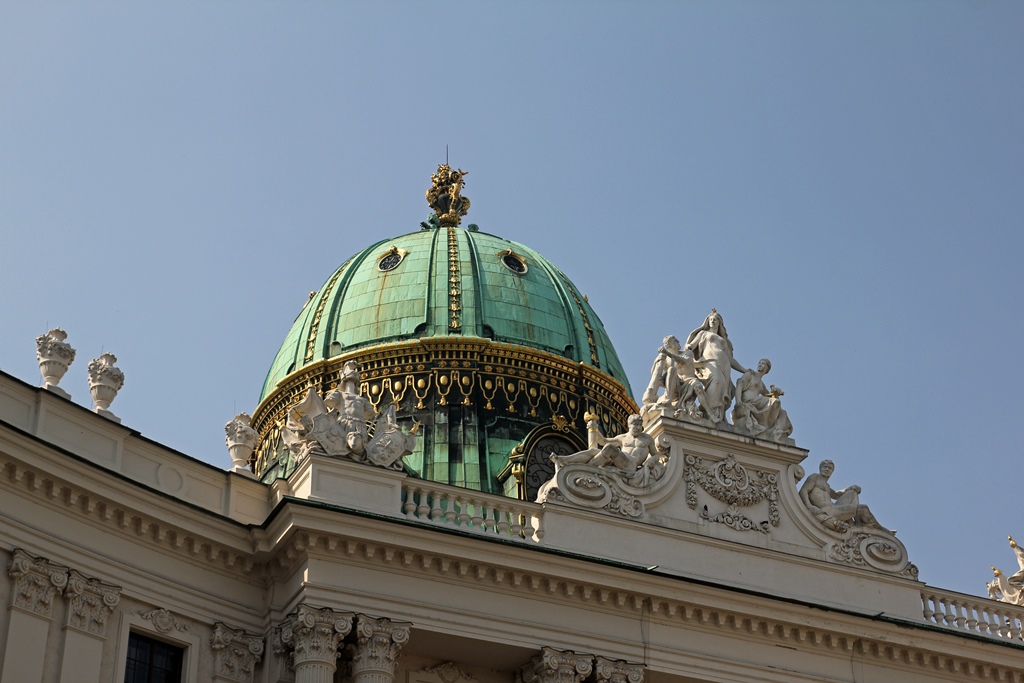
(439, 282)
(481, 346)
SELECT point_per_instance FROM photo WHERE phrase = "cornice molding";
(872, 638)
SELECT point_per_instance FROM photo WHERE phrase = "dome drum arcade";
(479, 343)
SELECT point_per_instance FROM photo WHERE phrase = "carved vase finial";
(105, 380)
(445, 195)
(241, 440)
(55, 356)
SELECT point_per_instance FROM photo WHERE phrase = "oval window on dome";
(389, 261)
(514, 262)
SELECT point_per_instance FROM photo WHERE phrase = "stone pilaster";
(235, 654)
(90, 603)
(313, 636)
(36, 582)
(555, 666)
(375, 653)
(617, 671)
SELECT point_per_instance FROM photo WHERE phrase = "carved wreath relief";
(730, 482)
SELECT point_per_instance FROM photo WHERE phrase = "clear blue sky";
(843, 181)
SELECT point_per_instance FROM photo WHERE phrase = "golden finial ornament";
(445, 195)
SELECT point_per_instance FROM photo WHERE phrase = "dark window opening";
(152, 661)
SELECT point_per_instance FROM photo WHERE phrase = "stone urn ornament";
(105, 380)
(55, 356)
(241, 440)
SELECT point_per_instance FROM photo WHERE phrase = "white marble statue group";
(695, 383)
(337, 426)
(1009, 589)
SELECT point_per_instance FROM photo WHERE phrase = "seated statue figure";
(675, 371)
(818, 496)
(627, 452)
(758, 411)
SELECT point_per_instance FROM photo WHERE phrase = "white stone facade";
(352, 572)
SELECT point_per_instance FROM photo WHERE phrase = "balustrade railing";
(472, 511)
(973, 614)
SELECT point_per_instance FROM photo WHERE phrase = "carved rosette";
(555, 666)
(617, 671)
(55, 356)
(735, 485)
(882, 552)
(235, 654)
(378, 644)
(90, 602)
(313, 636)
(36, 582)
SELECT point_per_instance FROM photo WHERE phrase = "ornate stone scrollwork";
(614, 474)
(375, 653)
(36, 582)
(449, 672)
(735, 519)
(617, 671)
(235, 653)
(313, 636)
(555, 666)
(730, 482)
(874, 550)
(163, 621)
(90, 602)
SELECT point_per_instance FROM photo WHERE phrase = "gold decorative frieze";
(510, 380)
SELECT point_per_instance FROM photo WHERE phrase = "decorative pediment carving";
(737, 486)
(619, 474)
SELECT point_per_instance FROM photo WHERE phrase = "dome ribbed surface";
(450, 281)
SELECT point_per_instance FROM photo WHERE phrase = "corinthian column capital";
(375, 654)
(313, 636)
(617, 671)
(557, 666)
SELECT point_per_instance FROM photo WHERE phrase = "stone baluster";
(235, 654)
(90, 603)
(313, 636)
(375, 653)
(617, 671)
(554, 666)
